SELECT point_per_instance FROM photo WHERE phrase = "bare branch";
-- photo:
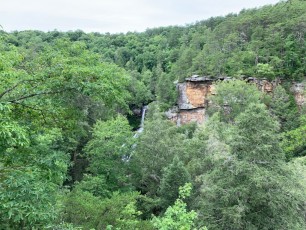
(10, 89)
(38, 94)
(17, 84)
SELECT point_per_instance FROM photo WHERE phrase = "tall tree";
(174, 176)
(109, 151)
(284, 109)
(155, 150)
(253, 188)
(233, 97)
(177, 216)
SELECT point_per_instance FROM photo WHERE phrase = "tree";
(174, 176)
(27, 200)
(253, 188)
(283, 108)
(42, 121)
(165, 91)
(119, 211)
(109, 151)
(181, 69)
(12, 133)
(233, 97)
(155, 150)
(31, 176)
(294, 141)
(140, 92)
(206, 149)
(176, 216)
(265, 71)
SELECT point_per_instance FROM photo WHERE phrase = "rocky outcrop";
(298, 90)
(194, 115)
(194, 96)
(193, 100)
(263, 84)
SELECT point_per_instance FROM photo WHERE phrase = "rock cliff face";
(264, 85)
(298, 90)
(194, 93)
(193, 99)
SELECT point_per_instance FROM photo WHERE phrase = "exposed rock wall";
(298, 90)
(194, 93)
(194, 115)
(264, 85)
(193, 100)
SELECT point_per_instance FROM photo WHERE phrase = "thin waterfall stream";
(140, 130)
(126, 158)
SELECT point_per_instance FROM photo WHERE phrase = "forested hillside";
(70, 158)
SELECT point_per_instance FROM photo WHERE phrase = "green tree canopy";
(252, 188)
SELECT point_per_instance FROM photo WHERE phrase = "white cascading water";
(126, 158)
(140, 130)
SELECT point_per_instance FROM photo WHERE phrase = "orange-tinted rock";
(194, 94)
(266, 86)
(193, 115)
(212, 90)
(195, 91)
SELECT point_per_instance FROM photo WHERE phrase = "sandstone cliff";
(195, 91)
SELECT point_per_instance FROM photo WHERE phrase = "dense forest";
(70, 106)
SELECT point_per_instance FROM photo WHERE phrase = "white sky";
(113, 16)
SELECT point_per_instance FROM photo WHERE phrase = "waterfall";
(140, 130)
(144, 109)
(126, 158)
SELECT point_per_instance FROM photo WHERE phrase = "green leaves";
(25, 199)
(118, 211)
(174, 176)
(256, 139)
(251, 187)
(155, 150)
(176, 216)
(265, 71)
(47, 99)
(233, 97)
(108, 149)
(31, 172)
(294, 141)
(58, 87)
(12, 134)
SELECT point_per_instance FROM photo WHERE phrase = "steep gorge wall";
(298, 90)
(194, 96)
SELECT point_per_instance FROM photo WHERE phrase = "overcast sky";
(113, 15)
